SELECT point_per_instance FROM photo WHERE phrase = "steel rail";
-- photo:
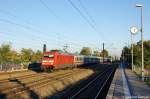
(86, 86)
(28, 76)
(45, 78)
(96, 97)
(40, 84)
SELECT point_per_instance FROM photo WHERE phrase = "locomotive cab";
(48, 61)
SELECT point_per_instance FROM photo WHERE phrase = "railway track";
(19, 77)
(95, 89)
(12, 91)
(25, 77)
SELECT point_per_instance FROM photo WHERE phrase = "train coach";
(108, 60)
(57, 60)
(82, 60)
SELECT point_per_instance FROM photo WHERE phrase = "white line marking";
(125, 84)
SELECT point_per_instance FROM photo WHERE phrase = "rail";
(101, 75)
(37, 83)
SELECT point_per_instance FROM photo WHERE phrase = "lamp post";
(133, 31)
(141, 7)
(132, 51)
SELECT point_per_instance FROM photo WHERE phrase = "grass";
(146, 73)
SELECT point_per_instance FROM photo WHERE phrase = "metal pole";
(123, 55)
(44, 48)
(103, 53)
(142, 43)
(132, 51)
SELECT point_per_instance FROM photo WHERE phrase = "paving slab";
(116, 87)
(127, 85)
(137, 86)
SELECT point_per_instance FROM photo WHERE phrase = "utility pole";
(132, 51)
(65, 48)
(133, 31)
(123, 55)
(103, 53)
(141, 8)
(44, 48)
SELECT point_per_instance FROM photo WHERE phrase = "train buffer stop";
(127, 85)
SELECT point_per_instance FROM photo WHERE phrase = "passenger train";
(57, 60)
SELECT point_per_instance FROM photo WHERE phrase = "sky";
(75, 23)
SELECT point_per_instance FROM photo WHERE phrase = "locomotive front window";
(49, 56)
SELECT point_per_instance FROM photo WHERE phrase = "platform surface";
(127, 85)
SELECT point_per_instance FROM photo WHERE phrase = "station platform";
(127, 85)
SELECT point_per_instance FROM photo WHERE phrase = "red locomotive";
(56, 60)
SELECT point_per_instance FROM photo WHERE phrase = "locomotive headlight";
(44, 61)
(51, 61)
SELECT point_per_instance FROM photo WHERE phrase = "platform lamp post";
(133, 31)
(141, 8)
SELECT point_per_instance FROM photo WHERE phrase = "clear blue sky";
(29, 24)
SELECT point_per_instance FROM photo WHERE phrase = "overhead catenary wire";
(29, 23)
(54, 14)
(17, 17)
(37, 31)
(58, 17)
(87, 13)
(24, 26)
(20, 25)
(10, 36)
(12, 40)
(85, 18)
(29, 28)
(31, 41)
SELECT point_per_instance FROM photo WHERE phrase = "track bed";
(46, 85)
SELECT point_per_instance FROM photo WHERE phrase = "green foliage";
(147, 54)
(86, 51)
(5, 53)
(56, 50)
(105, 53)
(37, 56)
(97, 53)
(15, 57)
(26, 56)
(137, 54)
(127, 54)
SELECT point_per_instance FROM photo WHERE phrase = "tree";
(86, 51)
(26, 54)
(137, 54)
(97, 53)
(26, 57)
(10, 57)
(127, 54)
(36, 57)
(15, 57)
(5, 50)
(56, 50)
(147, 54)
(105, 53)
